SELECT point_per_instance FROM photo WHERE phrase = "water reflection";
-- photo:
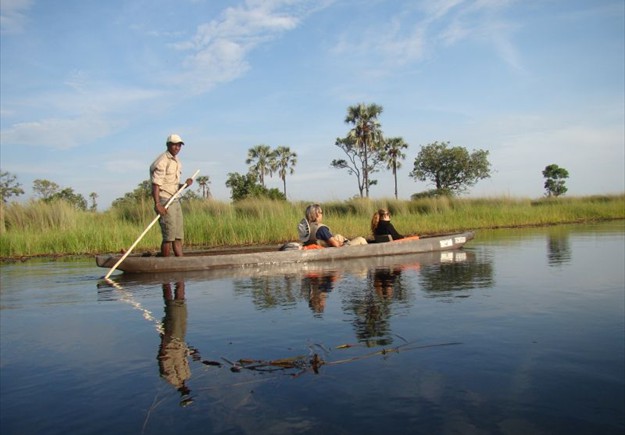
(369, 293)
(385, 281)
(315, 287)
(374, 286)
(371, 305)
(268, 291)
(558, 248)
(71, 361)
(173, 351)
(449, 278)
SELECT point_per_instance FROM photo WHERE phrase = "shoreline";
(25, 258)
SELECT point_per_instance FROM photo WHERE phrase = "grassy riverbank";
(39, 229)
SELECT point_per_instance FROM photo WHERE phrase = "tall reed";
(38, 228)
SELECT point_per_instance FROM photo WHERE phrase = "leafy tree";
(94, 205)
(451, 170)
(355, 164)
(366, 138)
(246, 186)
(285, 161)
(203, 182)
(431, 193)
(554, 183)
(9, 186)
(44, 189)
(143, 192)
(68, 195)
(392, 155)
(190, 195)
(262, 160)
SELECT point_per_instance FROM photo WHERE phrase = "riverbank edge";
(70, 256)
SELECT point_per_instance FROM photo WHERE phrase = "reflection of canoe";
(256, 258)
(356, 266)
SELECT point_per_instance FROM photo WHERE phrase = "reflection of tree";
(372, 306)
(173, 350)
(558, 249)
(281, 291)
(447, 277)
(268, 291)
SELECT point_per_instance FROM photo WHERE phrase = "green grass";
(40, 229)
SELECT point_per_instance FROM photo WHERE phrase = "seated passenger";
(381, 225)
(320, 233)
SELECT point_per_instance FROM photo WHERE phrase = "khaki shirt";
(165, 171)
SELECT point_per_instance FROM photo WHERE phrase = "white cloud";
(221, 62)
(481, 20)
(454, 32)
(435, 10)
(397, 44)
(59, 133)
(218, 50)
(88, 113)
(13, 15)
(415, 33)
(217, 53)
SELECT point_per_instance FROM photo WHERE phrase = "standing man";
(165, 176)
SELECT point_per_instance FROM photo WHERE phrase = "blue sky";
(90, 89)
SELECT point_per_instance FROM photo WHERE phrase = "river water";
(520, 332)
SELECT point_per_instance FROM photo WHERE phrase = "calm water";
(521, 332)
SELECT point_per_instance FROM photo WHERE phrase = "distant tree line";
(45, 191)
(451, 170)
(263, 162)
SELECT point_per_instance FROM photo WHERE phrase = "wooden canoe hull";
(304, 270)
(141, 264)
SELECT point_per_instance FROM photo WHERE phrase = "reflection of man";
(173, 351)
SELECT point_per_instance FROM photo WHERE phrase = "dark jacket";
(386, 227)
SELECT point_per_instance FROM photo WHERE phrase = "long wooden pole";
(184, 186)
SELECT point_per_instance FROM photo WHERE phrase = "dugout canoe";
(354, 266)
(271, 256)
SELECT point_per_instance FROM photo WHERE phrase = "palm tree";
(366, 134)
(285, 161)
(203, 182)
(94, 204)
(262, 160)
(392, 154)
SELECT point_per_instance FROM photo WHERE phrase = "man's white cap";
(174, 138)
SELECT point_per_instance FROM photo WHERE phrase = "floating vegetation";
(300, 364)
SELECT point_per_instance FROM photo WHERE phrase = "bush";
(433, 193)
